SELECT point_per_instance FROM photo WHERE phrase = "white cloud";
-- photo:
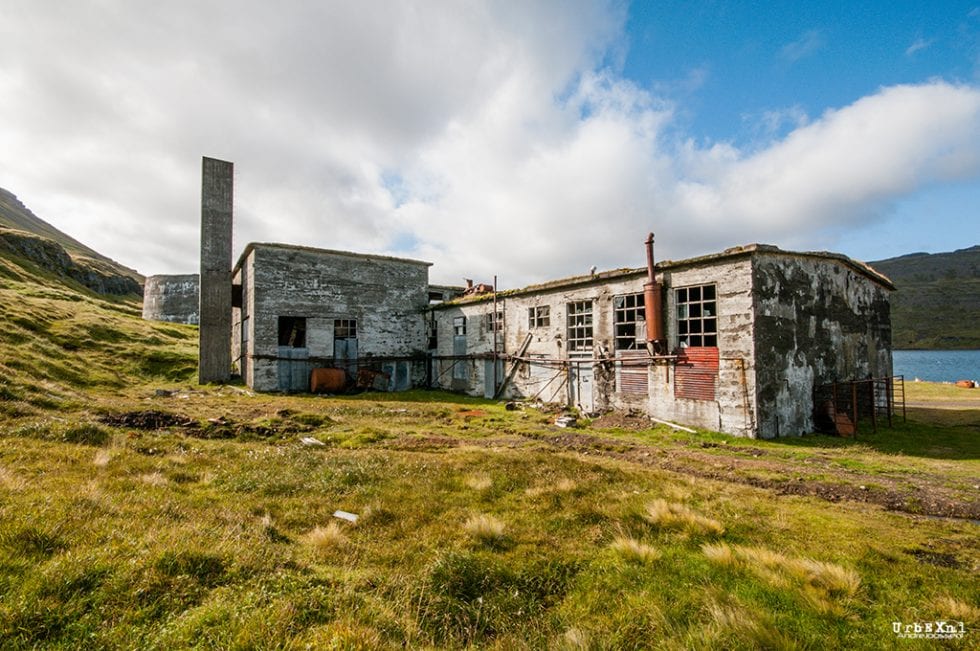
(918, 44)
(808, 43)
(485, 138)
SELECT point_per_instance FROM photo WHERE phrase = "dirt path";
(921, 494)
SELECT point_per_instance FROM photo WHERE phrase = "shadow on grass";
(924, 434)
(421, 395)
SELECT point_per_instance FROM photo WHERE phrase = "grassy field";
(138, 510)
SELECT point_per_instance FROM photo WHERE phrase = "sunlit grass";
(667, 515)
(120, 537)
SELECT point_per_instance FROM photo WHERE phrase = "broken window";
(539, 317)
(461, 367)
(345, 329)
(459, 326)
(433, 334)
(292, 331)
(494, 321)
(697, 316)
(629, 316)
(580, 327)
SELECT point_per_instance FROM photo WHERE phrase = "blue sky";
(528, 140)
(745, 72)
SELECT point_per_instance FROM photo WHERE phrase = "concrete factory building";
(744, 338)
(299, 308)
(735, 342)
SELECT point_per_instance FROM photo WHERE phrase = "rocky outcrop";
(52, 257)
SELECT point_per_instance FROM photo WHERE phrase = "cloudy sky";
(530, 140)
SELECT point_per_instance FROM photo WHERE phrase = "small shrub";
(326, 539)
(825, 586)
(102, 458)
(575, 639)
(485, 529)
(755, 630)
(667, 515)
(479, 482)
(833, 579)
(721, 554)
(949, 608)
(154, 479)
(634, 551)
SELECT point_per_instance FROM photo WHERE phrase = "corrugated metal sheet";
(696, 373)
(632, 376)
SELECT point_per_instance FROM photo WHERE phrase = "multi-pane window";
(630, 321)
(539, 317)
(345, 329)
(697, 316)
(580, 327)
(459, 326)
(493, 321)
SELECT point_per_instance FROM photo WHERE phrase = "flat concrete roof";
(664, 265)
(251, 246)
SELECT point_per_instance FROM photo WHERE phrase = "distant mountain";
(937, 305)
(23, 234)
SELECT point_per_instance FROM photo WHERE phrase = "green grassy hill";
(937, 305)
(139, 510)
(24, 234)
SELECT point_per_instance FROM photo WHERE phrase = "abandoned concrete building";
(172, 298)
(734, 342)
(745, 336)
(302, 308)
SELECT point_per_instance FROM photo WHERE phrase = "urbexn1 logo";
(938, 630)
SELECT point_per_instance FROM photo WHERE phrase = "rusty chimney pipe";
(652, 304)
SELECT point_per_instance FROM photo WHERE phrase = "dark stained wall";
(817, 320)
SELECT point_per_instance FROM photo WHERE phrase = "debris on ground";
(312, 442)
(566, 421)
(344, 515)
(146, 420)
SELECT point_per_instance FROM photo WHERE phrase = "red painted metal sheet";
(633, 374)
(696, 373)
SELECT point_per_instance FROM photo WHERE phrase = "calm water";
(937, 365)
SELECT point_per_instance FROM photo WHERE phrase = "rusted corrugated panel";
(696, 373)
(632, 374)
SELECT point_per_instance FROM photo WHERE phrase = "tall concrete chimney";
(216, 223)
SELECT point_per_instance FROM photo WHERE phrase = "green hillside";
(139, 510)
(24, 234)
(937, 305)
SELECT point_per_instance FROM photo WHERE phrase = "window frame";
(539, 316)
(493, 321)
(345, 328)
(459, 326)
(696, 316)
(621, 328)
(579, 324)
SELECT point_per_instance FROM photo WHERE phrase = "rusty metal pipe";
(652, 304)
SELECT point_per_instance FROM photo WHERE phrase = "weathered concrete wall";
(217, 180)
(545, 378)
(242, 325)
(817, 320)
(172, 298)
(386, 296)
(732, 411)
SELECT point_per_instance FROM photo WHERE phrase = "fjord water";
(937, 365)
